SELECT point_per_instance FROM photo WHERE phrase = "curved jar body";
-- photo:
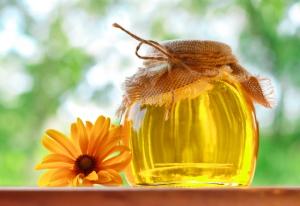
(208, 139)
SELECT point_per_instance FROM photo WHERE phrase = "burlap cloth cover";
(173, 65)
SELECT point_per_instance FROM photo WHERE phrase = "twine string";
(169, 56)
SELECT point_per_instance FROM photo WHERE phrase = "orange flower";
(92, 155)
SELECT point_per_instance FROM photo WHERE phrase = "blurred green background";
(60, 59)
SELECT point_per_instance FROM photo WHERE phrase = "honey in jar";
(192, 117)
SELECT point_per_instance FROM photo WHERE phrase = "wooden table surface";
(150, 196)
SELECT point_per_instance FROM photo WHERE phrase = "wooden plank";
(149, 196)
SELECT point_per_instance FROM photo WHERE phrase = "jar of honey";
(192, 117)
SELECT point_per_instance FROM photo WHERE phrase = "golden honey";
(207, 140)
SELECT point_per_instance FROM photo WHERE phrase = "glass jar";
(208, 139)
(192, 116)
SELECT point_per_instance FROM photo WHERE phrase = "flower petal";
(103, 177)
(80, 180)
(111, 140)
(107, 142)
(92, 176)
(77, 180)
(57, 158)
(89, 127)
(115, 176)
(98, 127)
(116, 134)
(99, 131)
(55, 161)
(87, 183)
(74, 133)
(101, 155)
(83, 137)
(56, 177)
(117, 163)
(63, 141)
(126, 132)
(109, 177)
(75, 136)
(44, 179)
(54, 165)
(59, 183)
(54, 146)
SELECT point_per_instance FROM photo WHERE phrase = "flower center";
(85, 164)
